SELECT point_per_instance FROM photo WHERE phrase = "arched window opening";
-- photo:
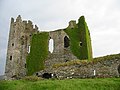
(51, 45)
(66, 42)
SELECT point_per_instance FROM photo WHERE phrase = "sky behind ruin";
(102, 17)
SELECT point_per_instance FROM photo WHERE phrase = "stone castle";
(28, 48)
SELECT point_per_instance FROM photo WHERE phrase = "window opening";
(51, 45)
(29, 49)
(10, 57)
(66, 42)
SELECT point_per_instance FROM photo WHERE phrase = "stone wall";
(18, 44)
(104, 68)
(19, 47)
(60, 53)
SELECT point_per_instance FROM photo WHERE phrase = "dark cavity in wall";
(10, 57)
(47, 75)
(25, 66)
(81, 43)
(12, 44)
(66, 42)
(37, 74)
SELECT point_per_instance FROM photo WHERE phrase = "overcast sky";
(102, 17)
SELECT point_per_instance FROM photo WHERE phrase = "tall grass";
(70, 84)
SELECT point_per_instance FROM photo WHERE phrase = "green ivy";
(80, 33)
(38, 53)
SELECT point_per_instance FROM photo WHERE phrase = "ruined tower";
(18, 47)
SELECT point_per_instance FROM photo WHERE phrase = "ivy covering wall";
(80, 42)
(80, 45)
(38, 53)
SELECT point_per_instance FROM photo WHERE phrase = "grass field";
(70, 84)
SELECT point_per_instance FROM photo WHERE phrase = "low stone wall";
(103, 68)
(3, 77)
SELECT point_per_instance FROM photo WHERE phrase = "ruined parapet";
(72, 24)
(18, 18)
(18, 46)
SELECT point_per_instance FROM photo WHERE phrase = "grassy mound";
(70, 84)
(38, 53)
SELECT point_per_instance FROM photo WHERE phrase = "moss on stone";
(108, 57)
(38, 53)
(86, 62)
(80, 34)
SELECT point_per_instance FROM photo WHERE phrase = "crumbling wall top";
(72, 24)
(18, 18)
(12, 20)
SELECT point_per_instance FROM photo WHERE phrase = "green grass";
(38, 53)
(80, 33)
(71, 84)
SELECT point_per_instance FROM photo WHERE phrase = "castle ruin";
(29, 52)
(65, 47)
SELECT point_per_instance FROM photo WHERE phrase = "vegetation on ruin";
(92, 61)
(72, 62)
(80, 34)
(67, 84)
(38, 53)
(108, 57)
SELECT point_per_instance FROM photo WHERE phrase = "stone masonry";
(99, 69)
(60, 53)
(19, 42)
(18, 47)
